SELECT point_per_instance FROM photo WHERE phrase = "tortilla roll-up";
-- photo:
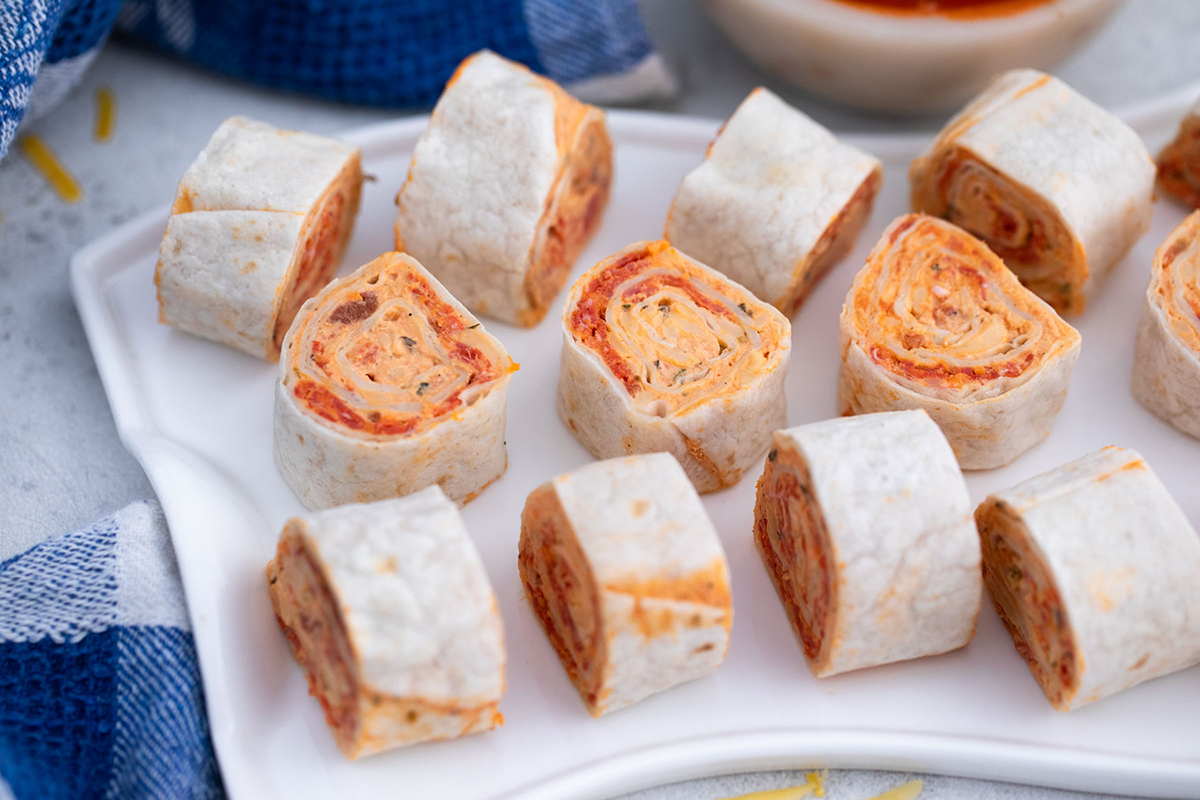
(627, 577)
(777, 202)
(1166, 363)
(935, 321)
(1056, 185)
(506, 187)
(662, 354)
(260, 222)
(1179, 162)
(389, 385)
(864, 525)
(1093, 568)
(390, 613)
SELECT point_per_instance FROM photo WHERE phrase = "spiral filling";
(670, 333)
(794, 544)
(1177, 284)
(1179, 164)
(1020, 228)
(937, 310)
(307, 612)
(318, 260)
(388, 356)
(561, 590)
(1025, 597)
(573, 213)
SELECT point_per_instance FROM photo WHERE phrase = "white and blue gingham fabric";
(374, 52)
(100, 693)
(45, 45)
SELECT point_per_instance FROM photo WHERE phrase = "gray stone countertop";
(61, 462)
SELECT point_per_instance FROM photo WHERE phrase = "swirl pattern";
(936, 321)
(387, 386)
(1092, 609)
(662, 353)
(385, 355)
(1179, 162)
(864, 527)
(1166, 365)
(1018, 226)
(1176, 281)
(1057, 186)
(671, 333)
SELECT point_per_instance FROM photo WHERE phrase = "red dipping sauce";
(958, 9)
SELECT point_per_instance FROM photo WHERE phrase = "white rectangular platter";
(198, 417)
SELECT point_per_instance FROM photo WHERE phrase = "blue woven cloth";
(375, 52)
(50, 41)
(100, 693)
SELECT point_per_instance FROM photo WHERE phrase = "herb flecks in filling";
(669, 332)
(391, 359)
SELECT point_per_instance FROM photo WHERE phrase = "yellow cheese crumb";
(817, 781)
(814, 784)
(106, 114)
(908, 791)
(44, 161)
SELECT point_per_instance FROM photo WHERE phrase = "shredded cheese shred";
(813, 786)
(106, 114)
(54, 171)
(907, 791)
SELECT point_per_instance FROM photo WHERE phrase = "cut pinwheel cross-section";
(1093, 568)
(864, 525)
(1179, 161)
(389, 385)
(627, 577)
(662, 354)
(260, 222)
(934, 320)
(1057, 186)
(388, 609)
(1166, 363)
(777, 202)
(506, 187)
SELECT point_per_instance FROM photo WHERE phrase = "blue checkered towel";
(374, 52)
(100, 694)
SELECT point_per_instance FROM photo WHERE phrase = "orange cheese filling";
(562, 591)
(672, 334)
(1176, 281)
(362, 720)
(1025, 597)
(387, 356)
(1179, 164)
(576, 203)
(790, 534)
(318, 261)
(936, 308)
(836, 241)
(1021, 228)
(575, 206)
(307, 612)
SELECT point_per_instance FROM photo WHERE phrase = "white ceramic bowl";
(902, 64)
